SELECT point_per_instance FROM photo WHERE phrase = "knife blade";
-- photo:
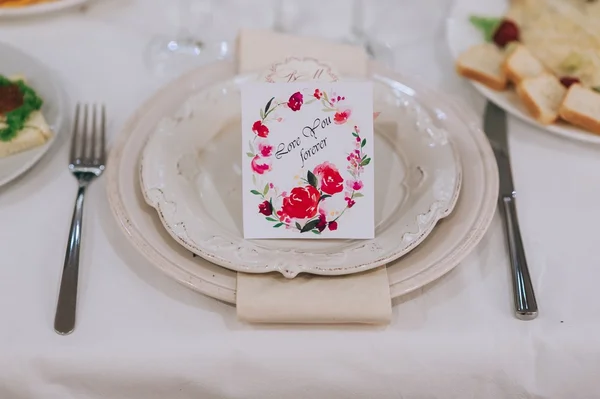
(495, 128)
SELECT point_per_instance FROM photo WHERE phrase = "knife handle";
(524, 297)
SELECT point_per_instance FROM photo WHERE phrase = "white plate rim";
(501, 98)
(57, 127)
(160, 193)
(41, 8)
(221, 283)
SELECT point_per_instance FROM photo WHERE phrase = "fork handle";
(524, 297)
(64, 321)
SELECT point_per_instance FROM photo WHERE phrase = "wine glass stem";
(358, 20)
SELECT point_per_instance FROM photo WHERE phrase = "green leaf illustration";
(358, 195)
(269, 105)
(271, 219)
(278, 225)
(325, 97)
(310, 225)
(298, 226)
(262, 114)
(365, 162)
(266, 189)
(315, 231)
(312, 179)
(250, 155)
(324, 197)
(255, 192)
(354, 134)
(328, 110)
(364, 142)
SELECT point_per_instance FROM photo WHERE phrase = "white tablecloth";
(141, 335)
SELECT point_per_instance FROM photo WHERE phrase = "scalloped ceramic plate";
(190, 173)
(461, 35)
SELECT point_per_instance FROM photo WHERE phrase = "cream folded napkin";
(357, 298)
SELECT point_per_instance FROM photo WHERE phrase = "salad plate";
(190, 172)
(461, 35)
(445, 247)
(23, 8)
(45, 83)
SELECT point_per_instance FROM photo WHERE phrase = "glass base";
(170, 57)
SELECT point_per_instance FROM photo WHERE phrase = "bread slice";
(483, 63)
(521, 64)
(35, 133)
(542, 95)
(581, 107)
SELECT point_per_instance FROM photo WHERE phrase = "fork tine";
(93, 157)
(84, 133)
(74, 141)
(103, 135)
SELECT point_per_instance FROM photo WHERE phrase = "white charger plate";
(191, 174)
(45, 83)
(41, 8)
(461, 35)
(447, 245)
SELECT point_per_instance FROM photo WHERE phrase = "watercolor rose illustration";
(295, 102)
(301, 203)
(331, 182)
(307, 207)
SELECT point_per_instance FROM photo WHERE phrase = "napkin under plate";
(362, 298)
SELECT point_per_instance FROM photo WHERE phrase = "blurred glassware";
(194, 44)
(338, 20)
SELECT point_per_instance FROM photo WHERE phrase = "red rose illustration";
(260, 130)
(333, 225)
(317, 94)
(301, 203)
(265, 208)
(322, 222)
(341, 117)
(331, 180)
(296, 100)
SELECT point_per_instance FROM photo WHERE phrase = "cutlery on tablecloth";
(524, 296)
(87, 162)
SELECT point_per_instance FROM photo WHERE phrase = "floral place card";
(308, 160)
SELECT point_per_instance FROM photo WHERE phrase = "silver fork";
(87, 162)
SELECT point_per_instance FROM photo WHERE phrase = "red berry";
(567, 81)
(507, 32)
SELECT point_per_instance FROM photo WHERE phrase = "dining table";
(141, 335)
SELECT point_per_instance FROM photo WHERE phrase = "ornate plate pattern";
(190, 173)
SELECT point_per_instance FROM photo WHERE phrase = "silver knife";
(495, 128)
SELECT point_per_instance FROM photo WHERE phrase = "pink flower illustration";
(333, 226)
(265, 208)
(317, 94)
(260, 165)
(355, 185)
(295, 102)
(341, 117)
(260, 130)
(265, 149)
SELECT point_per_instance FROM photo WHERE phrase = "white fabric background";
(140, 335)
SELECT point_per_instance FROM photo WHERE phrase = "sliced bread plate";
(462, 35)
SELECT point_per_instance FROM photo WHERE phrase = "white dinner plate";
(41, 8)
(447, 245)
(191, 174)
(461, 35)
(45, 83)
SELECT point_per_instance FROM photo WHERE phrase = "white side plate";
(191, 174)
(461, 35)
(44, 82)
